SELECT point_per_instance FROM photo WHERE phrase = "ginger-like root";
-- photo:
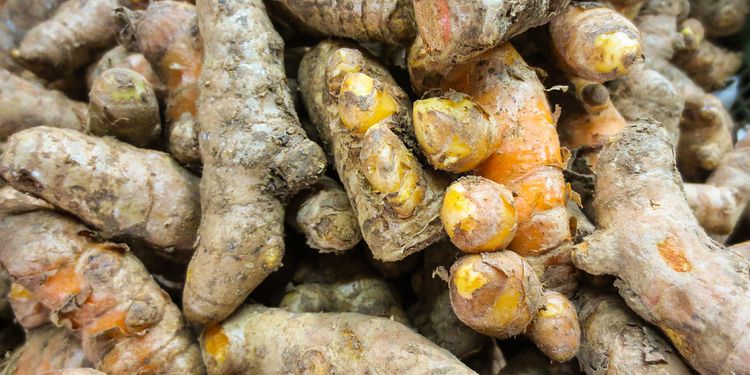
(47, 348)
(123, 104)
(478, 214)
(26, 104)
(719, 203)
(13, 202)
(594, 42)
(668, 270)
(389, 236)
(116, 188)
(454, 31)
(120, 57)
(646, 93)
(710, 66)
(27, 311)
(454, 133)
(17, 17)
(343, 343)
(720, 17)
(555, 329)
(497, 294)
(325, 216)
(528, 161)
(126, 323)
(432, 314)
(166, 33)
(616, 341)
(386, 21)
(72, 38)
(255, 156)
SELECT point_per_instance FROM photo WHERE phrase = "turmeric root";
(386, 21)
(255, 156)
(710, 66)
(74, 371)
(585, 49)
(46, 349)
(720, 17)
(668, 270)
(389, 235)
(71, 39)
(344, 343)
(26, 104)
(167, 35)
(616, 341)
(120, 57)
(123, 104)
(13, 202)
(325, 216)
(27, 311)
(478, 215)
(16, 18)
(718, 204)
(454, 31)
(116, 188)
(555, 329)
(124, 320)
(532, 362)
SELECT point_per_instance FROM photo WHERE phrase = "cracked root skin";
(720, 17)
(616, 341)
(126, 323)
(323, 343)
(123, 191)
(386, 21)
(26, 105)
(167, 34)
(389, 237)
(454, 31)
(669, 271)
(255, 155)
(47, 348)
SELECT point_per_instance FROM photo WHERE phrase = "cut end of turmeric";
(363, 102)
(216, 343)
(616, 52)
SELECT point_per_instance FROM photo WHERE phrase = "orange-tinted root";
(496, 293)
(595, 43)
(478, 215)
(556, 330)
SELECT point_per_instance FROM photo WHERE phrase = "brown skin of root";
(47, 348)
(120, 57)
(646, 93)
(455, 31)
(497, 294)
(365, 295)
(533, 362)
(74, 371)
(719, 203)
(720, 17)
(668, 270)
(432, 314)
(71, 38)
(705, 137)
(616, 341)
(100, 291)
(116, 188)
(325, 216)
(595, 42)
(710, 66)
(27, 311)
(389, 237)
(16, 18)
(529, 161)
(693, 34)
(168, 37)
(319, 343)
(478, 215)
(13, 202)
(123, 104)
(22, 102)
(255, 156)
(555, 330)
(385, 21)
(742, 248)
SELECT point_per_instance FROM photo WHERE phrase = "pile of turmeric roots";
(372, 187)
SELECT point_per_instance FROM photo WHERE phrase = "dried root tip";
(124, 105)
(497, 294)
(454, 133)
(363, 102)
(342, 62)
(556, 330)
(592, 51)
(392, 170)
(593, 96)
(327, 219)
(692, 33)
(478, 215)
